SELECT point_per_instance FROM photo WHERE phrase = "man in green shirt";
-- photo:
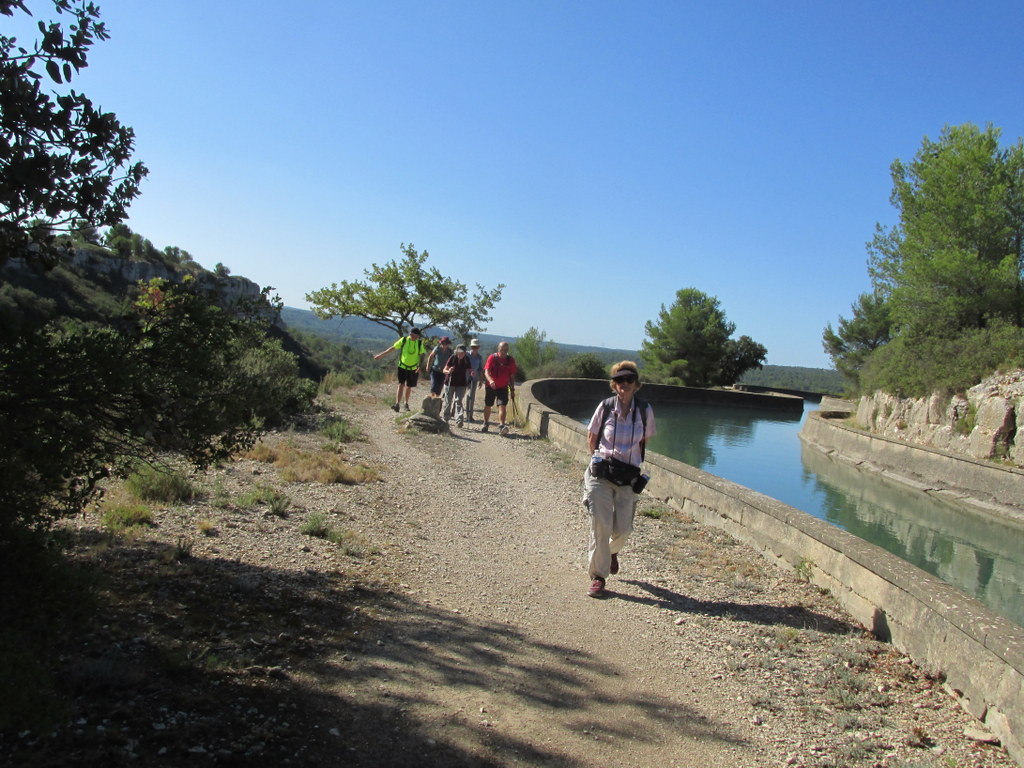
(410, 361)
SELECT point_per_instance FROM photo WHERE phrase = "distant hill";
(790, 377)
(367, 335)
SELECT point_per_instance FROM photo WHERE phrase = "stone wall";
(980, 653)
(981, 423)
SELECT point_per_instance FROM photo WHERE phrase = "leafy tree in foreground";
(690, 345)
(403, 294)
(64, 164)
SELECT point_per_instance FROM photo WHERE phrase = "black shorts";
(407, 377)
(490, 395)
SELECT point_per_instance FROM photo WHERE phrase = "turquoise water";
(760, 449)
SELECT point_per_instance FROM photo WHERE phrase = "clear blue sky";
(594, 156)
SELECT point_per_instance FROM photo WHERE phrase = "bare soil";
(447, 624)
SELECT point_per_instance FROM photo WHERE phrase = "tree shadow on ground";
(795, 616)
(188, 658)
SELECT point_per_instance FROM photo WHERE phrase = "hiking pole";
(517, 416)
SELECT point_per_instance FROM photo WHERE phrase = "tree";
(404, 294)
(869, 328)
(64, 164)
(586, 365)
(954, 261)
(532, 351)
(690, 344)
(740, 355)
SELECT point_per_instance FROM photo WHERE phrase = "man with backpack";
(499, 385)
(410, 361)
(617, 437)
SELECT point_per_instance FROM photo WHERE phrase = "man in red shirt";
(499, 385)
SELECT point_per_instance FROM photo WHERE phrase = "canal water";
(761, 449)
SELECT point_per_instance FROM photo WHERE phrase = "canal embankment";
(980, 653)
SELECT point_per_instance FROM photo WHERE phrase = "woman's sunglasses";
(627, 379)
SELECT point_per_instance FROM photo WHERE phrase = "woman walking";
(617, 434)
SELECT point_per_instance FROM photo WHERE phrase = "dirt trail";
(447, 624)
(495, 655)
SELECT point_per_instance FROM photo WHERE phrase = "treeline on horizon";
(344, 344)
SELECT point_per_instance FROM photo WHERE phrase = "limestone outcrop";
(981, 423)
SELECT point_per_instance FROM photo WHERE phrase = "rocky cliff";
(981, 423)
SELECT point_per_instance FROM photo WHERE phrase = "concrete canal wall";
(980, 653)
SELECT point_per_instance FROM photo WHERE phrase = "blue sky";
(594, 156)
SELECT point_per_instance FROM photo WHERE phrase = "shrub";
(119, 517)
(586, 366)
(261, 494)
(340, 430)
(316, 525)
(917, 367)
(152, 484)
(177, 372)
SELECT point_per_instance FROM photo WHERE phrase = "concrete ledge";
(980, 653)
(996, 488)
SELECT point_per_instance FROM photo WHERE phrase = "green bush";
(917, 367)
(316, 526)
(119, 517)
(586, 366)
(152, 484)
(264, 494)
(178, 372)
(340, 430)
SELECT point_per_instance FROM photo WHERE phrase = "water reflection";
(979, 554)
(760, 449)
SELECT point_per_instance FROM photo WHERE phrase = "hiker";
(476, 361)
(499, 385)
(410, 359)
(436, 361)
(617, 437)
(457, 375)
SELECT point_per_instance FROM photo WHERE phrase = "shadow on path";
(758, 613)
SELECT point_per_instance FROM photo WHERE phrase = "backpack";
(402, 349)
(638, 405)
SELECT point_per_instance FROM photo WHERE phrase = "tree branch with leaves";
(64, 164)
(406, 293)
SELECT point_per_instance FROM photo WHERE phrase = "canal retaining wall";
(980, 653)
(984, 485)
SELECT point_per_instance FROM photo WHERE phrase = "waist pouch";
(618, 472)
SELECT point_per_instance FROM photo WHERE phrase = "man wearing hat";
(476, 363)
(411, 351)
(436, 361)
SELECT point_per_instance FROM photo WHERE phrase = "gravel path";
(448, 625)
(702, 655)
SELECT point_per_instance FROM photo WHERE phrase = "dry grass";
(302, 466)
